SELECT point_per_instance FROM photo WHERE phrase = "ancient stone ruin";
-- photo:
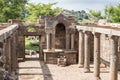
(62, 42)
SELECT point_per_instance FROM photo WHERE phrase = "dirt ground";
(34, 69)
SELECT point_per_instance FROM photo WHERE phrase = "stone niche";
(60, 36)
(61, 39)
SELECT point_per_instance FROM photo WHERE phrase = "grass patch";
(29, 44)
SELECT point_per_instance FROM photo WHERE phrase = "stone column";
(40, 47)
(53, 41)
(81, 49)
(86, 53)
(114, 58)
(67, 41)
(45, 57)
(2, 60)
(7, 52)
(9, 55)
(96, 56)
(72, 41)
(12, 55)
(14, 52)
(16, 37)
(48, 41)
(4, 48)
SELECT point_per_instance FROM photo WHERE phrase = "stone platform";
(50, 56)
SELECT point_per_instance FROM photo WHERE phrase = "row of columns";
(50, 41)
(84, 54)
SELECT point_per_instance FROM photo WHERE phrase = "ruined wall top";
(50, 22)
(6, 32)
(107, 28)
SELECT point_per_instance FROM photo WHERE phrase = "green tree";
(112, 13)
(96, 14)
(35, 10)
(79, 15)
(12, 9)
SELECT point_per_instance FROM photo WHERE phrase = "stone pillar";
(72, 41)
(67, 41)
(96, 56)
(12, 55)
(14, 52)
(16, 37)
(81, 49)
(21, 47)
(53, 41)
(2, 60)
(114, 58)
(45, 57)
(9, 54)
(86, 53)
(40, 47)
(48, 41)
(4, 51)
(4, 48)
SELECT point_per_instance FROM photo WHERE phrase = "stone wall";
(51, 57)
(105, 50)
(8, 52)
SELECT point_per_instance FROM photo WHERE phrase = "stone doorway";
(32, 47)
(60, 36)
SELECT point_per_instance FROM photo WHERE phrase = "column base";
(81, 66)
(86, 70)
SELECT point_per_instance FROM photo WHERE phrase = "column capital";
(111, 36)
(81, 31)
(86, 32)
(114, 37)
(97, 34)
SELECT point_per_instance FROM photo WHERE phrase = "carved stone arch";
(65, 22)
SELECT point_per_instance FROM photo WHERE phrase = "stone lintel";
(109, 31)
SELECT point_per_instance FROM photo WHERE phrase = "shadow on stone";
(46, 72)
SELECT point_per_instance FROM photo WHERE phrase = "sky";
(80, 4)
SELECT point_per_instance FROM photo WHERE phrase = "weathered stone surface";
(52, 56)
(62, 35)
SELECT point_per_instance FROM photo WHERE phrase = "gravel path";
(38, 70)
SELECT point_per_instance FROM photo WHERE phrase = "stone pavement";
(33, 69)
